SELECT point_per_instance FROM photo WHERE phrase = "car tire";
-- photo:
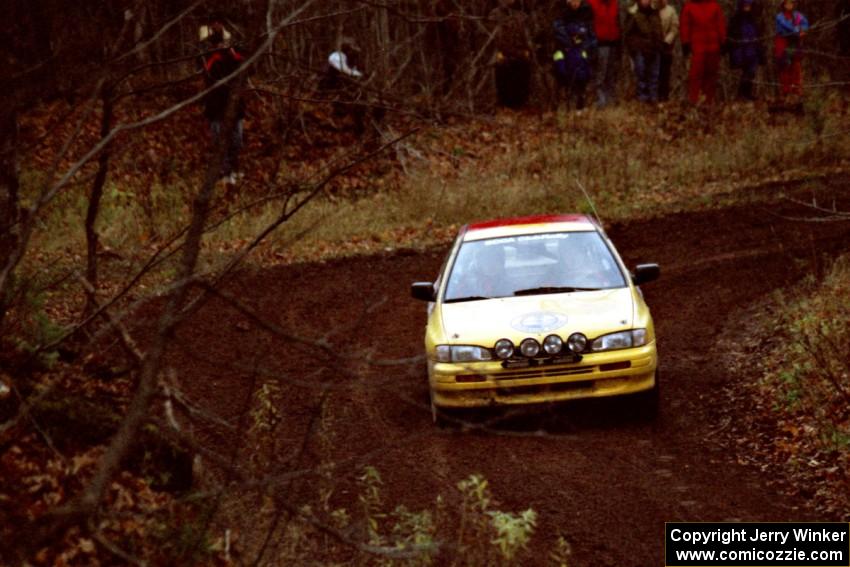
(444, 417)
(440, 419)
(649, 402)
(436, 413)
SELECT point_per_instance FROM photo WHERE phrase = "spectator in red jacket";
(219, 62)
(702, 29)
(606, 25)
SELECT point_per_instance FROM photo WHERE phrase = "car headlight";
(553, 344)
(462, 353)
(623, 339)
(577, 342)
(504, 349)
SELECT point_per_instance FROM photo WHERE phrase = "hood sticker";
(539, 322)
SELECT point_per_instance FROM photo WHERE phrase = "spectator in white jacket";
(338, 61)
(343, 81)
(342, 66)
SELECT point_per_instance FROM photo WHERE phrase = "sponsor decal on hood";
(539, 322)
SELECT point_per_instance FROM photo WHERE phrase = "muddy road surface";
(595, 473)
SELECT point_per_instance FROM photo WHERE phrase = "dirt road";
(595, 474)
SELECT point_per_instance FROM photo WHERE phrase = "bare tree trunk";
(137, 413)
(94, 203)
(81, 508)
(10, 207)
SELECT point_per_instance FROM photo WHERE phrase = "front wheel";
(649, 402)
(444, 417)
(437, 415)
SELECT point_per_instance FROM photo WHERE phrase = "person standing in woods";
(342, 81)
(791, 28)
(746, 51)
(513, 54)
(670, 30)
(572, 61)
(220, 61)
(606, 26)
(576, 44)
(702, 29)
(644, 40)
(842, 30)
(842, 27)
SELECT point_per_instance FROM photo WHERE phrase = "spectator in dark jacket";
(572, 59)
(702, 29)
(513, 54)
(644, 41)
(746, 51)
(222, 61)
(842, 29)
(842, 15)
(606, 27)
(576, 43)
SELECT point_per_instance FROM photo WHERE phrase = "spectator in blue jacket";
(746, 49)
(791, 27)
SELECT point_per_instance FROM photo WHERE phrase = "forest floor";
(594, 473)
(710, 200)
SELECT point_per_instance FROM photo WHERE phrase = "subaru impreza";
(535, 310)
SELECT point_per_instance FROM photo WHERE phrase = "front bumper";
(601, 374)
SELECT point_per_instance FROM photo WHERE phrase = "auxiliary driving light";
(529, 348)
(504, 349)
(553, 344)
(577, 342)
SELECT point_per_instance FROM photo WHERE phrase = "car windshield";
(556, 262)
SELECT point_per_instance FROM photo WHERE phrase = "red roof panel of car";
(534, 219)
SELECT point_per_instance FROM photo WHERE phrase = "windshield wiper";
(552, 289)
(467, 298)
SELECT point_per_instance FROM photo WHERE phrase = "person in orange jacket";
(702, 30)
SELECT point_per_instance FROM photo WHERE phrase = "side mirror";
(646, 273)
(424, 291)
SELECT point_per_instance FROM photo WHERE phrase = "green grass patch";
(808, 371)
(630, 161)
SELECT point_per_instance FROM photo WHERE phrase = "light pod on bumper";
(553, 344)
(577, 342)
(529, 348)
(504, 349)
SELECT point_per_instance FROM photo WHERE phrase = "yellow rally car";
(537, 309)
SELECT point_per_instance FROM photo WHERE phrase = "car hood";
(593, 313)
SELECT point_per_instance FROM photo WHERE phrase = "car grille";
(541, 388)
(551, 372)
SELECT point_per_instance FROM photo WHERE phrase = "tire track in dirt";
(593, 472)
